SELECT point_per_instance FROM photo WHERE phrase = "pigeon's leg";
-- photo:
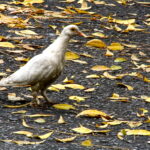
(35, 98)
(43, 93)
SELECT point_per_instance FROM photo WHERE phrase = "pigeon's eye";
(73, 29)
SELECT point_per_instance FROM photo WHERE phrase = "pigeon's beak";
(81, 33)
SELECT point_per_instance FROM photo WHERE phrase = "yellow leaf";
(86, 55)
(130, 45)
(75, 86)
(100, 68)
(109, 53)
(80, 61)
(26, 33)
(82, 130)
(93, 113)
(114, 67)
(116, 96)
(17, 106)
(7, 44)
(61, 120)
(115, 47)
(90, 90)
(96, 43)
(19, 112)
(133, 132)
(77, 98)
(107, 75)
(71, 55)
(22, 59)
(93, 76)
(39, 115)
(146, 98)
(40, 120)
(130, 88)
(25, 124)
(22, 142)
(30, 2)
(44, 136)
(87, 143)
(99, 35)
(58, 86)
(126, 22)
(66, 139)
(63, 106)
(26, 133)
(134, 124)
(120, 59)
(132, 27)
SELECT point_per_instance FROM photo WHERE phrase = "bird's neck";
(59, 45)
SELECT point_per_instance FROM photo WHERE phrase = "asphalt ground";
(104, 87)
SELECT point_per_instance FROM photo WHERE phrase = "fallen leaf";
(115, 46)
(77, 98)
(80, 61)
(87, 143)
(101, 35)
(124, 132)
(39, 120)
(100, 68)
(64, 140)
(63, 106)
(109, 53)
(26, 133)
(75, 86)
(44, 136)
(114, 67)
(96, 43)
(39, 115)
(22, 142)
(7, 44)
(71, 55)
(93, 76)
(130, 88)
(82, 130)
(93, 113)
(19, 112)
(120, 59)
(90, 90)
(61, 120)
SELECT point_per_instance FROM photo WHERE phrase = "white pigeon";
(45, 68)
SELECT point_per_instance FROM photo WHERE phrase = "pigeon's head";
(72, 30)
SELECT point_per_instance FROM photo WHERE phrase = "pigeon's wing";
(36, 69)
